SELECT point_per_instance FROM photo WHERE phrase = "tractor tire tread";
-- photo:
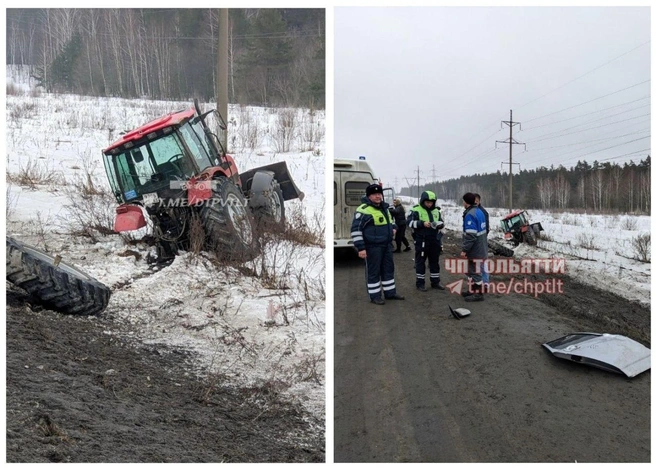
(54, 288)
(499, 249)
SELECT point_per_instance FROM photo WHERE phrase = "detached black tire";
(499, 249)
(228, 223)
(273, 214)
(60, 287)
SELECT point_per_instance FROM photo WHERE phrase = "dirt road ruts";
(79, 390)
(414, 384)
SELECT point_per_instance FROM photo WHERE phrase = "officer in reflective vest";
(426, 223)
(372, 231)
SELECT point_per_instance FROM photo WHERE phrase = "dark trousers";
(380, 271)
(400, 237)
(427, 250)
(475, 276)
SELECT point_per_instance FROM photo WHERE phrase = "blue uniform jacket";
(474, 233)
(367, 231)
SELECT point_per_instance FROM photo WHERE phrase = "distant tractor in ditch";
(176, 170)
(517, 228)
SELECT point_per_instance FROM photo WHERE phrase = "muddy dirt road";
(79, 390)
(414, 384)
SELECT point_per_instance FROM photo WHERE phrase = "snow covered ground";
(263, 321)
(598, 249)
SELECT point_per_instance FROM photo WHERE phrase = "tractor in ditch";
(176, 172)
(517, 228)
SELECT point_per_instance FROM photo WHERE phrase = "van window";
(355, 191)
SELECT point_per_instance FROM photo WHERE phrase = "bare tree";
(598, 186)
(645, 191)
(562, 190)
(545, 192)
(114, 31)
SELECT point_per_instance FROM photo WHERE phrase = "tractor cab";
(158, 156)
(517, 227)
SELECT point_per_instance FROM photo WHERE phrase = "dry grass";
(587, 241)
(642, 247)
(284, 131)
(35, 173)
(629, 223)
(90, 209)
(311, 132)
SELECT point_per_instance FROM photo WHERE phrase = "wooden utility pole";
(512, 142)
(222, 73)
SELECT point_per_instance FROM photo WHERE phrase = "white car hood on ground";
(606, 351)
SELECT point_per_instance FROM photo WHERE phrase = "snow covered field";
(598, 249)
(263, 321)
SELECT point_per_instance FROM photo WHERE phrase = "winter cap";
(374, 189)
(469, 198)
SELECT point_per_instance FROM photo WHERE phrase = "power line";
(604, 149)
(592, 100)
(457, 166)
(592, 122)
(588, 113)
(533, 150)
(560, 163)
(533, 157)
(590, 128)
(585, 74)
(511, 141)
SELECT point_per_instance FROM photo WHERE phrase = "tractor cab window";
(169, 158)
(148, 167)
(132, 171)
(196, 145)
(515, 222)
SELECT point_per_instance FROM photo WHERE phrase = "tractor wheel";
(228, 223)
(273, 215)
(499, 249)
(529, 238)
(56, 285)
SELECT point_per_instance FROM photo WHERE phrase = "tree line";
(276, 56)
(600, 187)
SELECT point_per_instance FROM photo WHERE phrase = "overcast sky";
(429, 87)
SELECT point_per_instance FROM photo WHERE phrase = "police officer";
(426, 222)
(474, 245)
(372, 231)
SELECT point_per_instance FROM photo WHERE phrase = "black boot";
(407, 248)
(477, 295)
(438, 286)
(421, 288)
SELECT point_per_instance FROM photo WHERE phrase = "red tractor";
(176, 170)
(516, 227)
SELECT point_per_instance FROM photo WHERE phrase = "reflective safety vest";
(423, 213)
(379, 217)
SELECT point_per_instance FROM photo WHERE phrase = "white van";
(351, 180)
